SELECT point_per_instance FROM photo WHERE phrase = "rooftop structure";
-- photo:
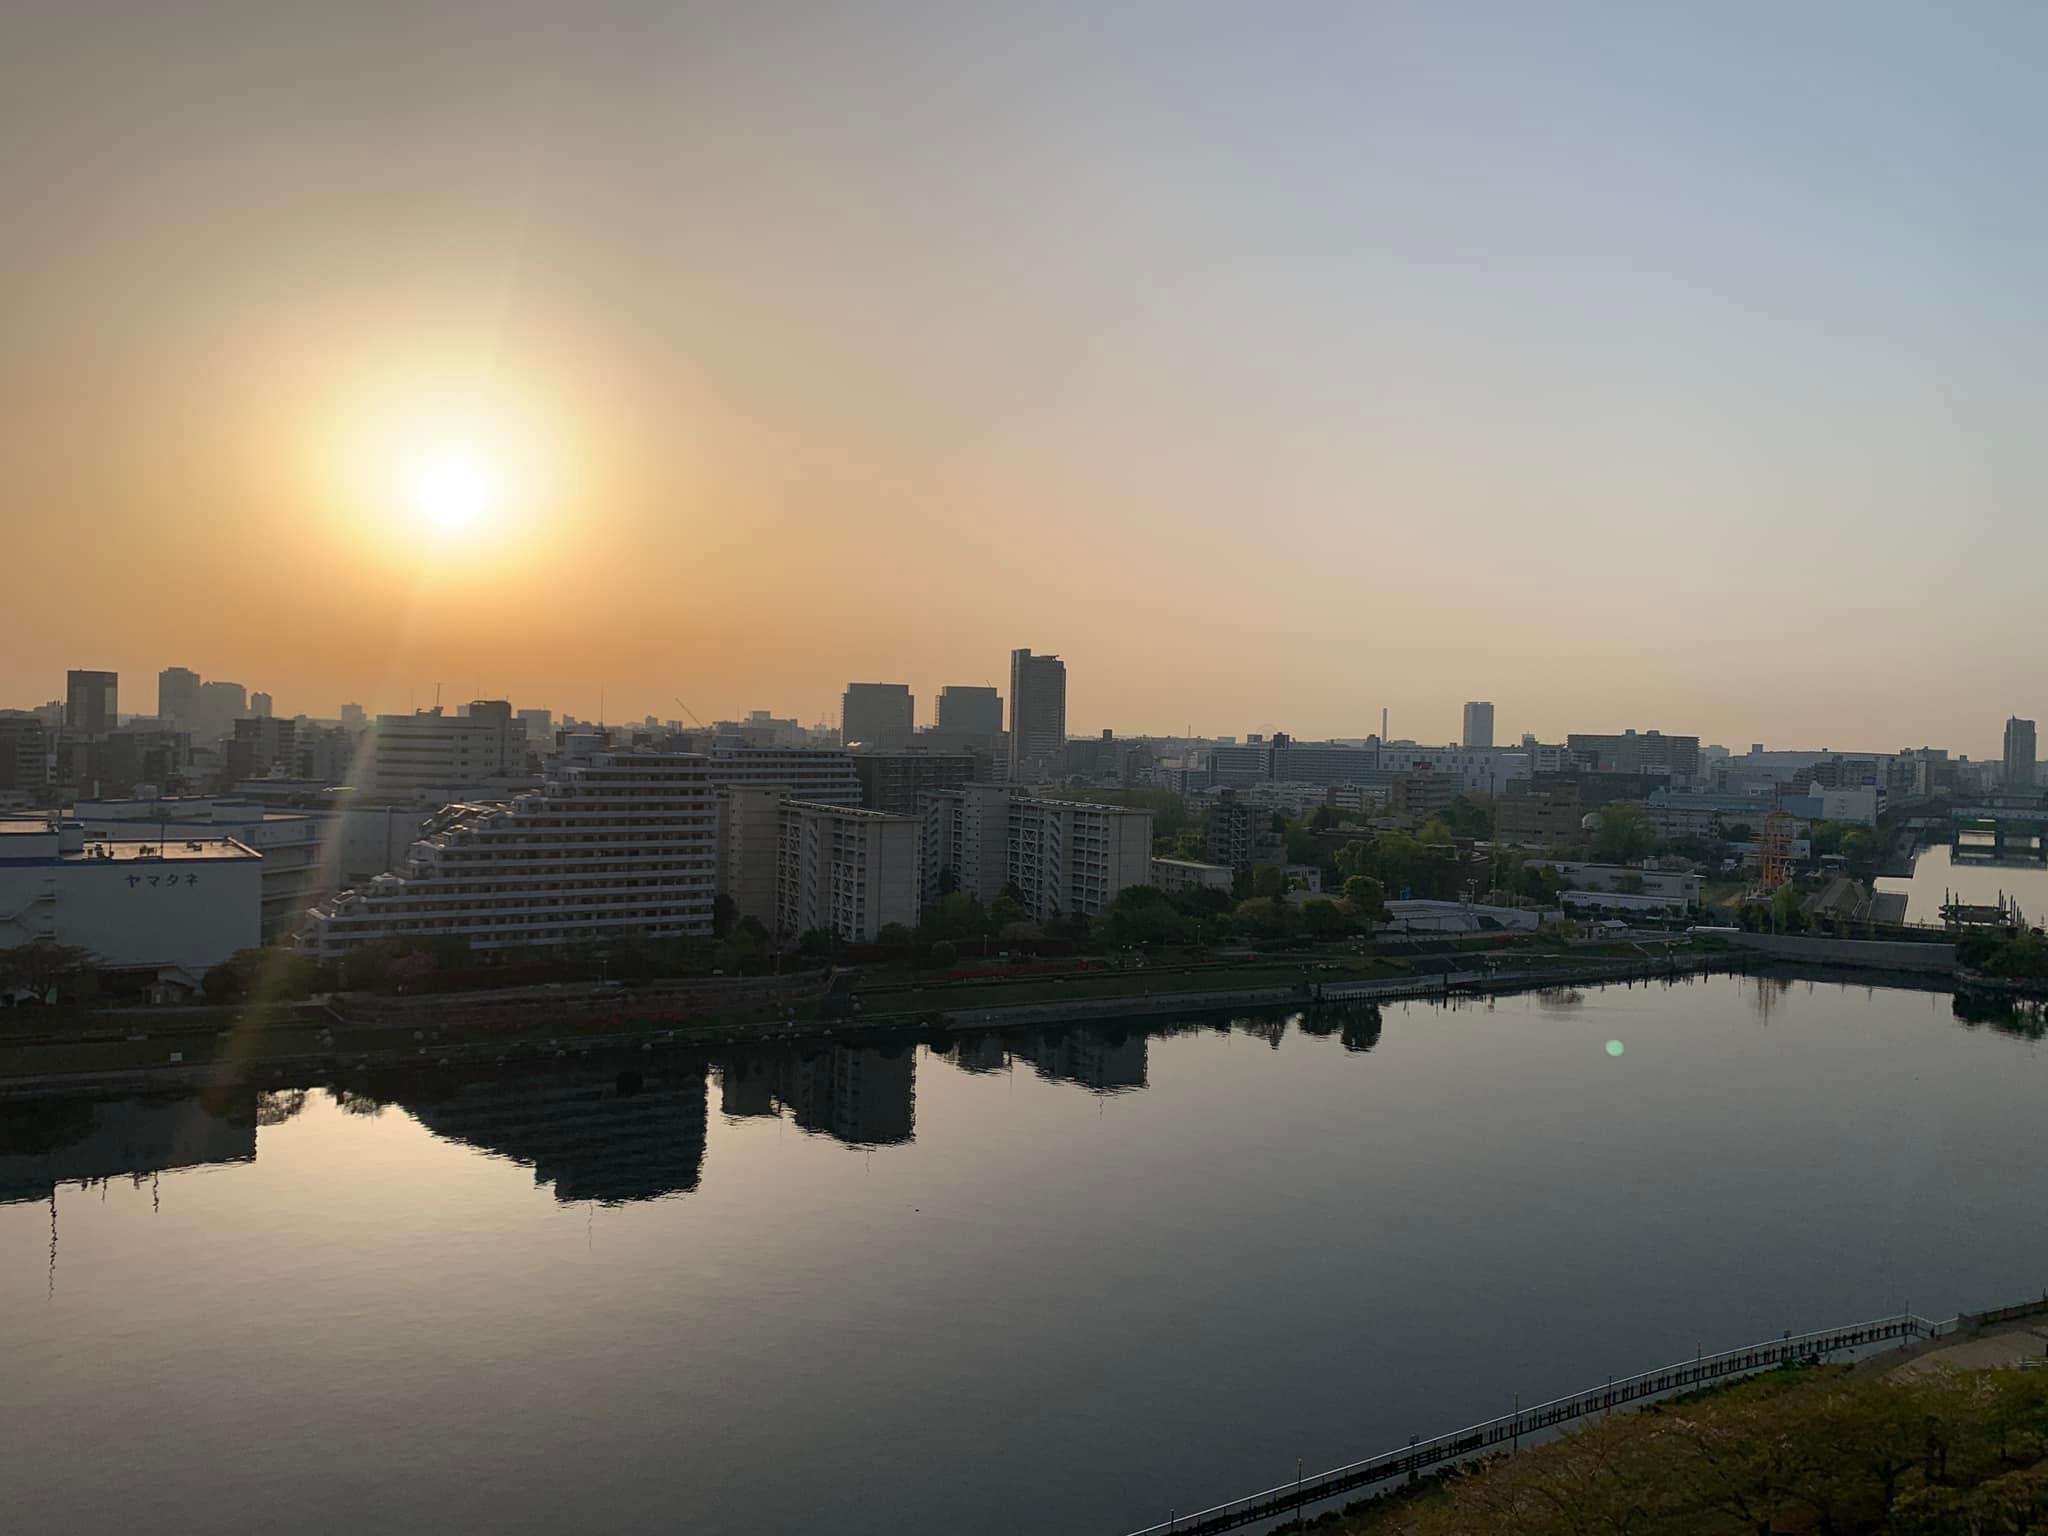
(134, 903)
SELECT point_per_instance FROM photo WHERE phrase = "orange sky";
(1272, 370)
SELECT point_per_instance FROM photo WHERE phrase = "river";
(1039, 1283)
(1935, 874)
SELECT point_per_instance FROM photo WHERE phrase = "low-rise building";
(1179, 876)
(134, 903)
(290, 843)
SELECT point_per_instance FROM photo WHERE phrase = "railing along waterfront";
(1292, 1498)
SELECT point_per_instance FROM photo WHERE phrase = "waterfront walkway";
(1418, 1456)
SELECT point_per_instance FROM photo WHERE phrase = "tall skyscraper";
(91, 702)
(261, 705)
(177, 696)
(971, 711)
(876, 715)
(2019, 753)
(1038, 715)
(1478, 725)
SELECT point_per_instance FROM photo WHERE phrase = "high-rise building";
(876, 715)
(845, 871)
(220, 706)
(971, 711)
(823, 774)
(892, 781)
(24, 754)
(353, 717)
(1065, 856)
(615, 842)
(1478, 725)
(2019, 753)
(1038, 716)
(261, 705)
(177, 696)
(91, 702)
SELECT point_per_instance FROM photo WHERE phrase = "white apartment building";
(135, 903)
(819, 775)
(613, 842)
(846, 871)
(1065, 856)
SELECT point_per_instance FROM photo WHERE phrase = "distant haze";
(1625, 365)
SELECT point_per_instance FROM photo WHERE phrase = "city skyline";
(1453, 340)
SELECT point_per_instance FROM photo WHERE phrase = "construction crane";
(691, 713)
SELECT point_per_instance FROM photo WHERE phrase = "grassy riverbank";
(57, 1044)
(1829, 1451)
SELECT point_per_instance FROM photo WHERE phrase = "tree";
(1007, 909)
(724, 912)
(41, 966)
(1367, 898)
(894, 936)
(1322, 918)
(1787, 909)
(1621, 833)
(1269, 880)
(1470, 816)
(1267, 916)
(1435, 833)
(945, 954)
(948, 881)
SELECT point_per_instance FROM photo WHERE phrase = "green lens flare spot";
(1615, 1047)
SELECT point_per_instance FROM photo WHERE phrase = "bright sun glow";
(453, 488)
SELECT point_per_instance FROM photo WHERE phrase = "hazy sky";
(1666, 366)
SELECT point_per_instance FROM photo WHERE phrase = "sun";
(452, 488)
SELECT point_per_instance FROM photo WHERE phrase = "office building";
(1542, 815)
(220, 706)
(1038, 716)
(971, 711)
(91, 702)
(134, 903)
(1066, 857)
(892, 781)
(1478, 725)
(290, 843)
(614, 842)
(2019, 754)
(24, 756)
(261, 705)
(428, 753)
(1419, 794)
(876, 715)
(177, 696)
(353, 718)
(262, 745)
(845, 871)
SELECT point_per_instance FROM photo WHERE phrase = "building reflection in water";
(863, 1095)
(588, 1133)
(45, 1143)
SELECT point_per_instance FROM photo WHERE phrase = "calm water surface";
(1935, 875)
(1033, 1283)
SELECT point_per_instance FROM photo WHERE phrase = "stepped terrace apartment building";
(612, 842)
